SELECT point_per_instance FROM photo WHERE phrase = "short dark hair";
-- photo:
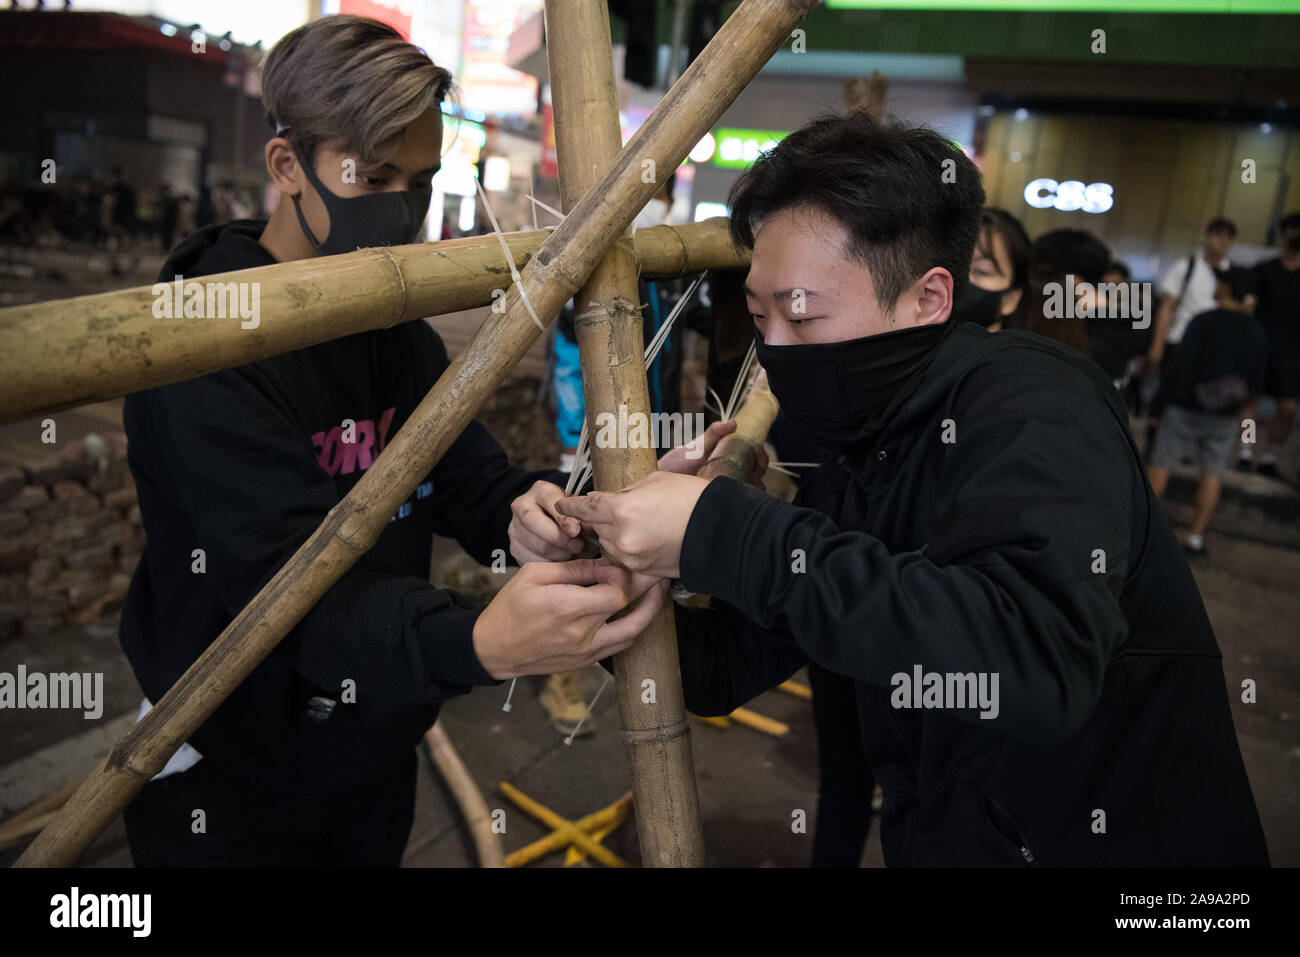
(1221, 225)
(1290, 221)
(1071, 252)
(885, 181)
(1121, 268)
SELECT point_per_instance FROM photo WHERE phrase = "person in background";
(1277, 288)
(1218, 370)
(1054, 257)
(1187, 290)
(999, 269)
(1113, 342)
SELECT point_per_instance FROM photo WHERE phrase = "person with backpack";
(1219, 368)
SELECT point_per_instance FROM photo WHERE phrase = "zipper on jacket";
(1022, 846)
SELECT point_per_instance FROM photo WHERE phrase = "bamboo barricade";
(54, 355)
(734, 453)
(468, 797)
(656, 735)
(735, 54)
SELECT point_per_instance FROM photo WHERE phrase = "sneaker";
(566, 705)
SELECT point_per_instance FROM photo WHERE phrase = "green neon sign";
(738, 148)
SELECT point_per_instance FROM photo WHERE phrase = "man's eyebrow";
(781, 294)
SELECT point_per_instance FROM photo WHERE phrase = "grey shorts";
(1207, 439)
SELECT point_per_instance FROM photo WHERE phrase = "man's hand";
(690, 458)
(538, 533)
(558, 616)
(642, 526)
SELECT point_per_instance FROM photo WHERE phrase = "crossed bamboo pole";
(607, 319)
(696, 101)
(63, 353)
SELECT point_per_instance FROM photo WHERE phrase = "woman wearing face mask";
(998, 271)
(311, 761)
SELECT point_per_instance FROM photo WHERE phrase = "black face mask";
(835, 391)
(979, 306)
(359, 222)
(1293, 243)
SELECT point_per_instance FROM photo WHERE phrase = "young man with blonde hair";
(311, 761)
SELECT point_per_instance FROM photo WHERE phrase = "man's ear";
(1010, 301)
(282, 166)
(934, 299)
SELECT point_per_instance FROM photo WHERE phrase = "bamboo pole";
(734, 453)
(468, 797)
(567, 257)
(656, 735)
(63, 353)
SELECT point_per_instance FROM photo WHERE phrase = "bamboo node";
(662, 734)
(401, 286)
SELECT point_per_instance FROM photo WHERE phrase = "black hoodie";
(244, 464)
(1000, 523)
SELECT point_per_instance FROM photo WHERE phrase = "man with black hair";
(1036, 677)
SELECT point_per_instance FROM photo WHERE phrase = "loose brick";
(13, 521)
(62, 491)
(122, 498)
(48, 471)
(90, 555)
(12, 481)
(11, 612)
(31, 497)
(43, 569)
(79, 596)
(38, 626)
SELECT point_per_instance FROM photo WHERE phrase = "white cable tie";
(505, 248)
(509, 695)
(573, 734)
(550, 209)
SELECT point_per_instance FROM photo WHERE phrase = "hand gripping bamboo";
(734, 454)
(736, 53)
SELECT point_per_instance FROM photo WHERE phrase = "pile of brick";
(70, 536)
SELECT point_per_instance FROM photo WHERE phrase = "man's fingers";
(521, 537)
(581, 571)
(547, 495)
(535, 518)
(714, 434)
(595, 508)
(621, 631)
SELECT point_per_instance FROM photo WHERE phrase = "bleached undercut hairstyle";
(351, 79)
